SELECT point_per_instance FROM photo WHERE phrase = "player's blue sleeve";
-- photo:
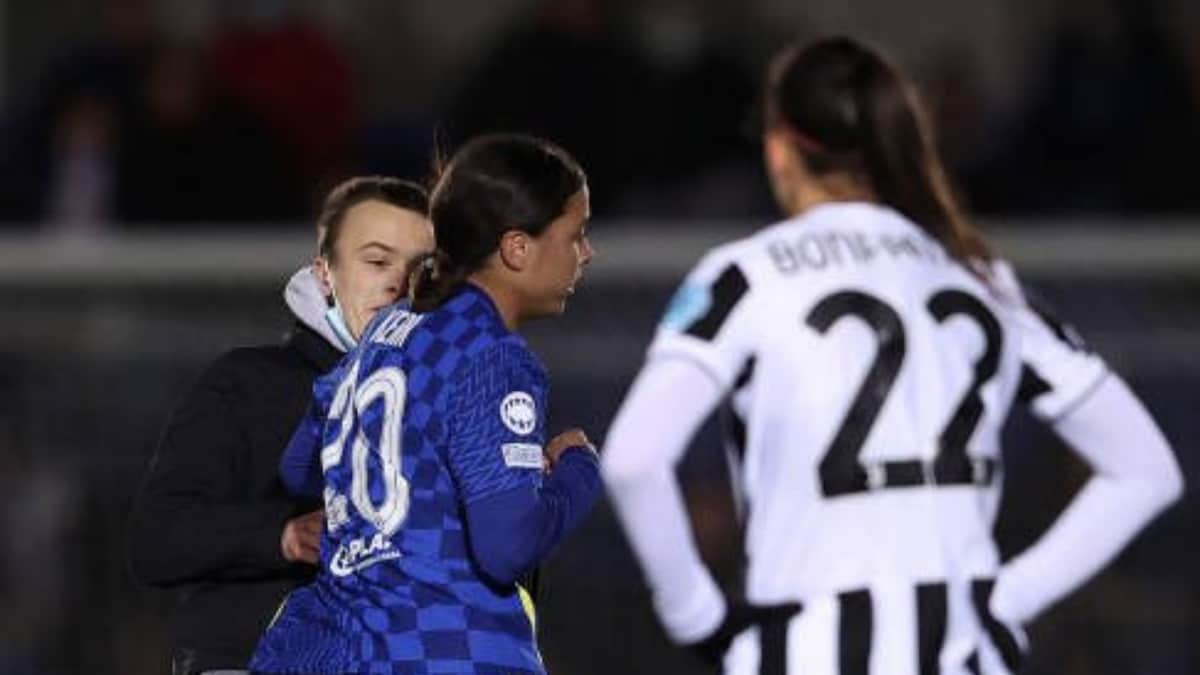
(300, 465)
(497, 423)
(511, 532)
(497, 432)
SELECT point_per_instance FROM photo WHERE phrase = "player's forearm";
(565, 500)
(1136, 477)
(640, 454)
(1102, 519)
(511, 533)
(177, 540)
(651, 509)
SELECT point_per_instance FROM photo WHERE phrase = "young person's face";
(371, 259)
(557, 258)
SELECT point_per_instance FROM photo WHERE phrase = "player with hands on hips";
(868, 349)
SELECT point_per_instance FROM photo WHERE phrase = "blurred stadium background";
(159, 160)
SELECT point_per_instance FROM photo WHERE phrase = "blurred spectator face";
(371, 259)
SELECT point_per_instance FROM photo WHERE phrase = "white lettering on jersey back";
(816, 251)
(396, 328)
(875, 352)
(884, 370)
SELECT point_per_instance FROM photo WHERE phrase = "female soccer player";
(433, 444)
(871, 346)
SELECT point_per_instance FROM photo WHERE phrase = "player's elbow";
(1157, 483)
(502, 565)
(1169, 483)
(1158, 474)
(623, 470)
(502, 533)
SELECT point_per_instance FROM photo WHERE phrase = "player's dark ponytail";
(433, 278)
(493, 184)
(849, 110)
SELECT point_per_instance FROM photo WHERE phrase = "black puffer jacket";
(211, 511)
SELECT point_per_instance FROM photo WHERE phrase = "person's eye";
(379, 263)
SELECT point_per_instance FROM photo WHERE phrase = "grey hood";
(304, 297)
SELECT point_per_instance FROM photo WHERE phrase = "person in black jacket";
(212, 520)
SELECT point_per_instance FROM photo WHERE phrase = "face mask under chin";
(337, 323)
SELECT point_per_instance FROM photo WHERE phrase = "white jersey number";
(840, 470)
(388, 386)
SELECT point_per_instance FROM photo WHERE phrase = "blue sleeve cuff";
(511, 532)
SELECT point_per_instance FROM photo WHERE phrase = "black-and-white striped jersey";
(872, 375)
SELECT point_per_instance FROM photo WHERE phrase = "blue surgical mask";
(337, 322)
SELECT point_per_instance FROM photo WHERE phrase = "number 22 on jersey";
(840, 471)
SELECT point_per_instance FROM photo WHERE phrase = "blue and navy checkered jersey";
(430, 413)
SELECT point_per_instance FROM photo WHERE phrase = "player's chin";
(555, 306)
(554, 302)
(565, 297)
(558, 308)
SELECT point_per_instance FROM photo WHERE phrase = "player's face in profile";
(560, 254)
(372, 255)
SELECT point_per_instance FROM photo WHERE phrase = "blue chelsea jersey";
(430, 413)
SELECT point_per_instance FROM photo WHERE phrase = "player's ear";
(779, 153)
(320, 268)
(516, 249)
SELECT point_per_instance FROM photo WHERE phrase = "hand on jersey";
(571, 438)
(740, 616)
(301, 539)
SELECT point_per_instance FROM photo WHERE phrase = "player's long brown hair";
(850, 110)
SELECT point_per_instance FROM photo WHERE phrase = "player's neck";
(502, 297)
(836, 188)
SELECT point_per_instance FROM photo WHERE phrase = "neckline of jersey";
(472, 289)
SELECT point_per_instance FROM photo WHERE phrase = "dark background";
(159, 162)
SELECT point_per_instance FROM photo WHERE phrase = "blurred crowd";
(223, 113)
(242, 112)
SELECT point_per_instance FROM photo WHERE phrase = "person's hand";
(738, 617)
(301, 539)
(571, 438)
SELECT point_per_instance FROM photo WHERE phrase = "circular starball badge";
(519, 413)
